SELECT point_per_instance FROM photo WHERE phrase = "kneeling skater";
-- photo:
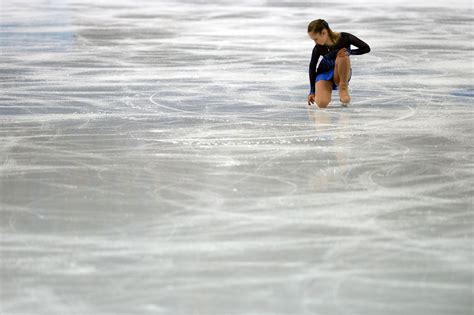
(334, 71)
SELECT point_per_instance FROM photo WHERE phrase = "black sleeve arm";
(312, 69)
(362, 46)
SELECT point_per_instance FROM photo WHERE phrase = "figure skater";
(334, 71)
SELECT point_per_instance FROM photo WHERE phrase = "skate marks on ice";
(159, 158)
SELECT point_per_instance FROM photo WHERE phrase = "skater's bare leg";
(342, 73)
(323, 93)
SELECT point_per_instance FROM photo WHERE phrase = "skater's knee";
(322, 103)
(342, 56)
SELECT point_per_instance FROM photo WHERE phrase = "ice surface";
(158, 157)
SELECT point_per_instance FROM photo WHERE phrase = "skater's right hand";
(310, 99)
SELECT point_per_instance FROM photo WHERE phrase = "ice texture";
(159, 157)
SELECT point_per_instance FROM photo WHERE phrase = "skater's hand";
(343, 52)
(310, 99)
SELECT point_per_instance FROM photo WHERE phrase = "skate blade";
(344, 104)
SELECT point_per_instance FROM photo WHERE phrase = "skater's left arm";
(362, 47)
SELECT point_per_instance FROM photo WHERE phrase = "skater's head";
(321, 33)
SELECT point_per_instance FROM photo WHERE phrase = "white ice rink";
(158, 157)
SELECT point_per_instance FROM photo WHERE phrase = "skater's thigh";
(323, 93)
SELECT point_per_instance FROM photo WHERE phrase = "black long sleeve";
(312, 69)
(362, 46)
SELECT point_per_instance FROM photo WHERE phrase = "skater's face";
(319, 38)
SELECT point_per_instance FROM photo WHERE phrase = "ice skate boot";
(344, 96)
